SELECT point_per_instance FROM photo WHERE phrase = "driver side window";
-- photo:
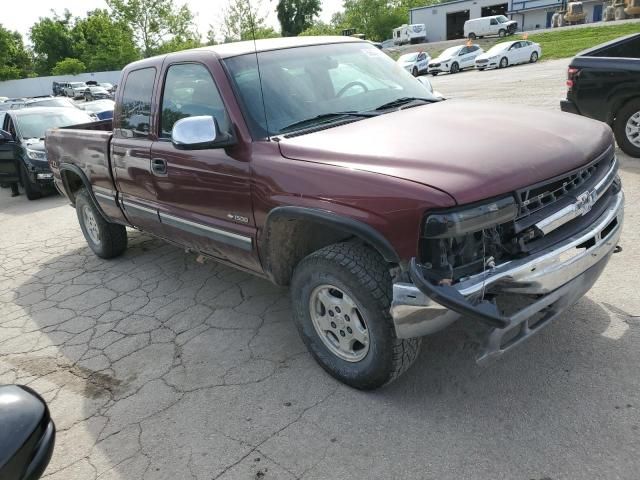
(190, 91)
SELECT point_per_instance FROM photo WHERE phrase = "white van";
(485, 26)
(415, 33)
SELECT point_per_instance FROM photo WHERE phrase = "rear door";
(131, 150)
(204, 196)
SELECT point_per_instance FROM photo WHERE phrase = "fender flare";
(344, 224)
(69, 167)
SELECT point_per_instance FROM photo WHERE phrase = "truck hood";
(471, 150)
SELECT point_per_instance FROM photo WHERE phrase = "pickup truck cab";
(604, 83)
(319, 163)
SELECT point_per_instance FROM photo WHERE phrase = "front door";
(8, 165)
(131, 151)
(204, 195)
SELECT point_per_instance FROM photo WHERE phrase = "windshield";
(450, 52)
(54, 102)
(410, 57)
(77, 84)
(502, 19)
(34, 125)
(305, 82)
(499, 47)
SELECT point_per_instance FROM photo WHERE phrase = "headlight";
(471, 219)
(36, 154)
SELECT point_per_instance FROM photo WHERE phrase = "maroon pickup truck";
(320, 164)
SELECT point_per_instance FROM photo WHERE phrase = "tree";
(295, 16)
(103, 43)
(155, 23)
(374, 18)
(51, 40)
(15, 61)
(321, 28)
(69, 66)
(243, 22)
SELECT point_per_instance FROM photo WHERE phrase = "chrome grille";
(534, 199)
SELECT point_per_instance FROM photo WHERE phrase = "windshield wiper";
(325, 116)
(398, 102)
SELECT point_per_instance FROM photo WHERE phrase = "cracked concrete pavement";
(158, 367)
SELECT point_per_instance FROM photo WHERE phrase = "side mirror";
(193, 133)
(5, 137)
(27, 436)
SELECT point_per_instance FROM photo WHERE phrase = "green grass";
(560, 43)
(565, 43)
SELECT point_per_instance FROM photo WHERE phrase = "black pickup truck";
(604, 83)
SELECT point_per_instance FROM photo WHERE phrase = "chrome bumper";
(555, 273)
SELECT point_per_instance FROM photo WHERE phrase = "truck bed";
(84, 150)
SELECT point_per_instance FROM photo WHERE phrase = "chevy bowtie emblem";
(585, 201)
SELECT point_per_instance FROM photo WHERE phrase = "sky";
(27, 12)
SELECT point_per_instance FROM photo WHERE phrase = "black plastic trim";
(78, 171)
(345, 224)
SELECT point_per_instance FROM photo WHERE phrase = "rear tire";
(341, 278)
(472, 36)
(32, 191)
(105, 239)
(626, 128)
(435, 74)
(414, 72)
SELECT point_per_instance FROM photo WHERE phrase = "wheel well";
(72, 183)
(615, 107)
(288, 240)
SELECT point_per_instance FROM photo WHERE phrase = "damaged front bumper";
(550, 280)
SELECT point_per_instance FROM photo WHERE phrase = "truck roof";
(235, 49)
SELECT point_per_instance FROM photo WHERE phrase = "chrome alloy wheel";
(91, 225)
(632, 129)
(339, 323)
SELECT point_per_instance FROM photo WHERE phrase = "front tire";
(32, 191)
(627, 128)
(106, 240)
(502, 33)
(455, 68)
(504, 62)
(534, 57)
(414, 72)
(341, 296)
(472, 36)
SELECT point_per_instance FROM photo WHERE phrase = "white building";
(445, 21)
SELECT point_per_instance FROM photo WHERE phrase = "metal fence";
(32, 87)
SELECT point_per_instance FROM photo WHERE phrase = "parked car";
(43, 102)
(22, 151)
(388, 43)
(415, 33)
(10, 102)
(487, 26)
(75, 89)
(102, 109)
(96, 93)
(415, 63)
(351, 186)
(455, 59)
(58, 88)
(504, 54)
(107, 86)
(27, 436)
(603, 84)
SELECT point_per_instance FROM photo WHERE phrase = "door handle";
(159, 166)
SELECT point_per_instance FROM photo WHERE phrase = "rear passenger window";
(190, 91)
(135, 114)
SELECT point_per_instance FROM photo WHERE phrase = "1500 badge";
(237, 218)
